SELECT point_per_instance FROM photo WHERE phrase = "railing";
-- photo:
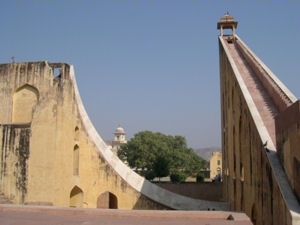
(277, 94)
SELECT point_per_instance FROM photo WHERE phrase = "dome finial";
(119, 130)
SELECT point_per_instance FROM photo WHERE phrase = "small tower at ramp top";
(227, 22)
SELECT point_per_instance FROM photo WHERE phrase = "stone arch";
(76, 160)
(107, 200)
(76, 131)
(254, 214)
(25, 99)
(76, 197)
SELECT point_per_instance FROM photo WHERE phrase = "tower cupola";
(120, 134)
(227, 22)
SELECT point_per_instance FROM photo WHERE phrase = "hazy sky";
(151, 64)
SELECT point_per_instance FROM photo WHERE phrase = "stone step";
(261, 98)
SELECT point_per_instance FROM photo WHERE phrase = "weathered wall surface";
(32, 95)
(14, 156)
(252, 176)
(66, 161)
(206, 191)
(288, 144)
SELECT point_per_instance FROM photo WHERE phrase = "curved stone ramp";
(137, 182)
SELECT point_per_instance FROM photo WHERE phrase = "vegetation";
(200, 177)
(158, 155)
(178, 177)
(161, 167)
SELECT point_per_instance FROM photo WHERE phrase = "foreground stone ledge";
(46, 215)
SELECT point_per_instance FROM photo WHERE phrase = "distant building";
(215, 165)
(119, 138)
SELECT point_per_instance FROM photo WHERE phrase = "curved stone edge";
(137, 182)
(278, 171)
(262, 130)
(284, 89)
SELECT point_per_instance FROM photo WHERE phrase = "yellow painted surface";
(215, 164)
(63, 167)
(24, 101)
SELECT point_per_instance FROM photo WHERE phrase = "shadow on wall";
(144, 203)
(254, 214)
(204, 191)
(174, 200)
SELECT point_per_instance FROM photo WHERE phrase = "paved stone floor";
(41, 215)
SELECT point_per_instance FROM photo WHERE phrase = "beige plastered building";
(215, 165)
(119, 139)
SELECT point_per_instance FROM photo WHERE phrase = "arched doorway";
(254, 214)
(24, 100)
(107, 200)
(76, 197)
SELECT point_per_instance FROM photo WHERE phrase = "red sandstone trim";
(281, 100)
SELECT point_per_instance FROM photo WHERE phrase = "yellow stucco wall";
(14, 153)
(24, 101)
(48, 104)
(215, 164)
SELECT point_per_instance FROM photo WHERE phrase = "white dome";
(120, 130)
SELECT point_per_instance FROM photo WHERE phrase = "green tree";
(150, 175)
(161, 167)
(178, 177)
(145, 148)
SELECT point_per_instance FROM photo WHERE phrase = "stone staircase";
(260, 96)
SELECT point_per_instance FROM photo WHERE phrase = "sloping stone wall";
(253, 176)
(288, 144)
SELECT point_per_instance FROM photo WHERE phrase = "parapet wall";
(281, 96)
(206, 191)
